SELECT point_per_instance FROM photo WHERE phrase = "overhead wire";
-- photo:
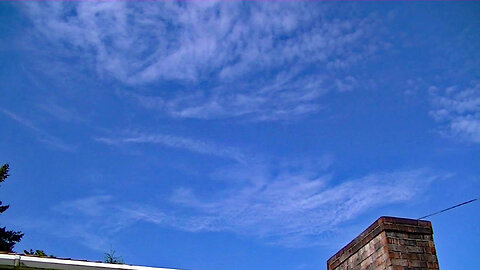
(449, 208)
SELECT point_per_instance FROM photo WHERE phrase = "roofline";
(16, 261)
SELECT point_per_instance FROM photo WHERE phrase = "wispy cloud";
(60, 112)
(287, 202)
(91, 220)
(458, 111)
(177, 142)
(261, 61)
(287, 208)
(41, 134)
(294, 210)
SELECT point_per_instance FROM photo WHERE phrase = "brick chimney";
(390, 243)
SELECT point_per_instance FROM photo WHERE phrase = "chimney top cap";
(384, 223)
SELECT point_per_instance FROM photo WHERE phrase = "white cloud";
(281, 98)
(292, 209)
(61, 113)
(193, 145)
(41, 135)
(285, 206)
(91, 220)
(257, 60)
(458, 111)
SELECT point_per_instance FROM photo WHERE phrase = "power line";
(450, 208)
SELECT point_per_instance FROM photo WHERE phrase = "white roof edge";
(15, 260)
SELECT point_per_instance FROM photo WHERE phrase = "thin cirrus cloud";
(91, 221)
(41, 135)
(264, 62)
(291, 203)
(291, 210)
(457, 109)
(178, 142)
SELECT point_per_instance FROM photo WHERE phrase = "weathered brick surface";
(389, 244)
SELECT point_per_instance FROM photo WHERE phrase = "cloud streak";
(458, 111)
(41, 134)
(292, 209)
(253, 60)
(177, 142)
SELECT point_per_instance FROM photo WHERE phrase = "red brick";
(389, 244)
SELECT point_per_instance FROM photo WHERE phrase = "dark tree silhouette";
(38, 252)
(8, 239)
(111, 258)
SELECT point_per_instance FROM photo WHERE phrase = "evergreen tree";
(38, 253)
(8, 239)
(110, 257)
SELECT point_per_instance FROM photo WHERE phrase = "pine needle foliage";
(8, 238)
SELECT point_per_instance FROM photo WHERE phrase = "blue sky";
(237, 135)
